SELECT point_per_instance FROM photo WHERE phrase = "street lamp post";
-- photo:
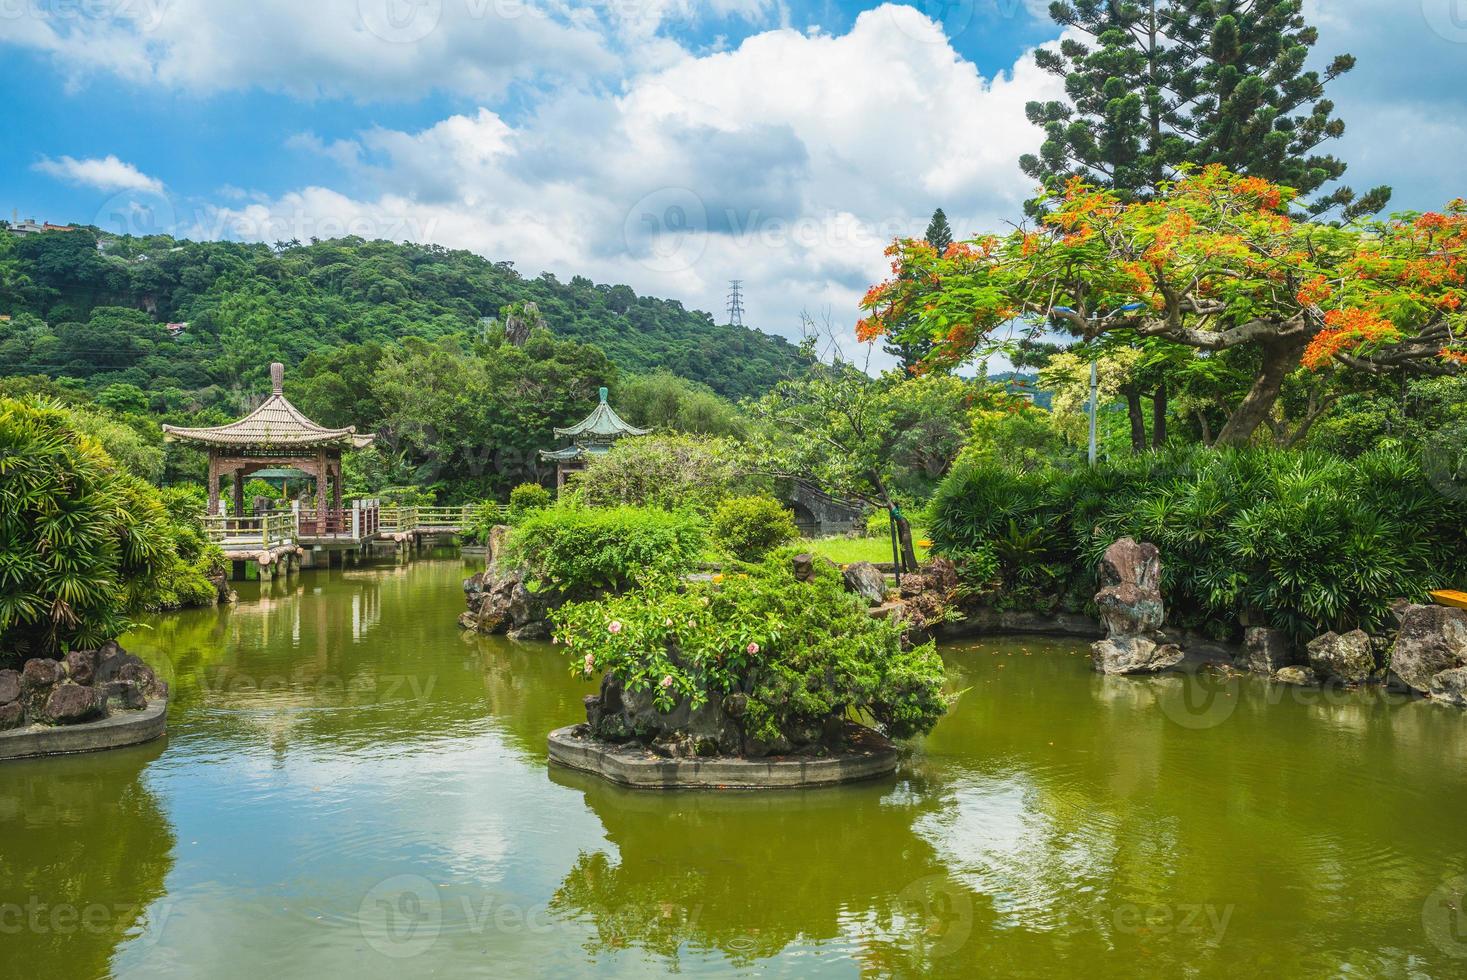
(1094, 380)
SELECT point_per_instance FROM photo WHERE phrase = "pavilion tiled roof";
(602, 423)
(275, 424)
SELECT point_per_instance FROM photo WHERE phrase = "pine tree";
(1163, 83)
(939, 234)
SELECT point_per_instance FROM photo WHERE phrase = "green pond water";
(352, 787)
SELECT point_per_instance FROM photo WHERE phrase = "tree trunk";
(1158, 416)
(909, 552)
(1138, 421)
(1206, 429)
(1280, 359)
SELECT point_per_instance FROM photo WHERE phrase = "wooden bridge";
(284, 541)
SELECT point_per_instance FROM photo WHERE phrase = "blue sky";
(668, 144)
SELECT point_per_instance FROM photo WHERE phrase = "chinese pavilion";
(592, 436)
(274, 435)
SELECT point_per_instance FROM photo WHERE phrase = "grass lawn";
(843, 550)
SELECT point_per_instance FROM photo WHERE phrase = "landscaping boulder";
(867, 581)
(489, 594)
(81, 666)
(494, 543)
(12, 715)
(71, 704)
(804, 565)
(116, 664)
(1302, 676)
(1431, 639)
(9, 686)
(1267, 650)
(1450, 686)
(1134, 654)
(1342, 658)
(127, 695)
(1130, 588)
(37, 678)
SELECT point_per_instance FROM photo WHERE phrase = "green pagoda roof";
(602, 424)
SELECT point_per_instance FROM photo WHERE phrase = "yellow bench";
(1450, 597)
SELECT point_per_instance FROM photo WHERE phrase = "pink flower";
(590, 662)
(752, 649)
(615, 626)
(667, 621)
(667, 680)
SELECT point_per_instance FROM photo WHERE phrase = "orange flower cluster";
(1316, 290)
(1347, 329)
(869, 328)
(1454, 355)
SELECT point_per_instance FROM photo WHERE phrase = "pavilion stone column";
(214, 474)
(321, 478)
(239, 492)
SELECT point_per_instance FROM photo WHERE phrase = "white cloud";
(104, 173)
(364, 49)
(788, 162)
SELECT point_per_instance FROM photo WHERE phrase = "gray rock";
(867, 581)
(116, 664)
(1295, 674)
(494, 544)
(536, 630)
(71, 704)
(1432, 639)
(1133, 654)
(12, 715)
(1267, 650)
(37, 678)
(1130, 594)
(9, 686)
(1342, 658)
(1450, 686)
(81, 666)
(126, 695)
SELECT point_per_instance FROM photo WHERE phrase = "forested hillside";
(101, 315)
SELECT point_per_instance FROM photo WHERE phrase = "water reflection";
(748, 876)
(86, 850)
(342, 760)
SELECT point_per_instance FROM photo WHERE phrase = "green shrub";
(582, 551)
(85, 543)
(1303, 541)
(802, 652)
(527, 497)
(667, 471)
(481, 521)
(750, 527)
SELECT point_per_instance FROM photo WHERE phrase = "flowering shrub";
(750, 527)
(583, 551)
(801, 653)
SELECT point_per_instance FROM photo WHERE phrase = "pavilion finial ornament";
(277, 378)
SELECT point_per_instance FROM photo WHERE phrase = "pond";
(351, 786)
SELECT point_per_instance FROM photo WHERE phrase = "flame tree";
(1214, 262)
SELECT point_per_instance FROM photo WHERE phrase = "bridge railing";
(362, 519)
(264, 531)
(443, 517)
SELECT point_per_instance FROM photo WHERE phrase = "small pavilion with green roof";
(592, 436)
